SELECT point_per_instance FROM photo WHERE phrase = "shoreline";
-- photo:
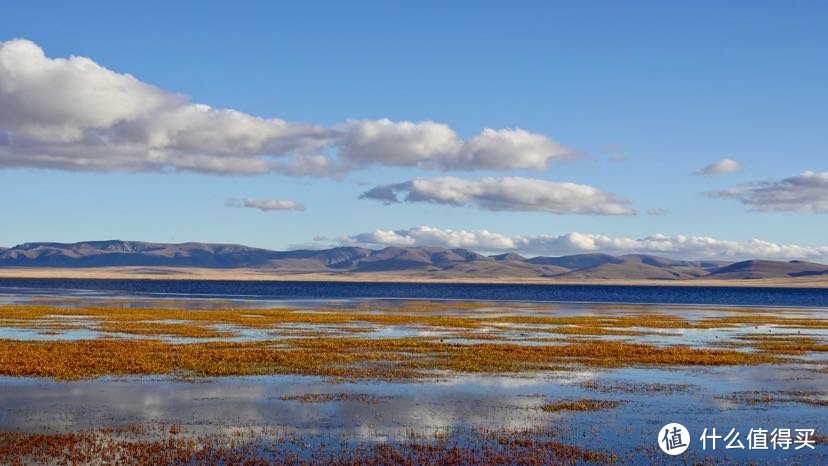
(192, 274)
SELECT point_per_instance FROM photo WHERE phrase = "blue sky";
(641, 94)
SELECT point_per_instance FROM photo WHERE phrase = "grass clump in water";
(580, 405)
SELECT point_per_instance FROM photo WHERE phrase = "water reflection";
(651, 396)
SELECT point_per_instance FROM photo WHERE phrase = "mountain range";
(423, 261)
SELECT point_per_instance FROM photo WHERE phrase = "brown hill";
(409, 261)
(754, 269)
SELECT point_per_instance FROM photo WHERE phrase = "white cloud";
(509, 193)
(508, 149)
(74, 114)
(399, 143)
(807, 192)
(429, 145)
(720, 167)
(56, 100)
(428, 236)
(266, 205)
(679, 246)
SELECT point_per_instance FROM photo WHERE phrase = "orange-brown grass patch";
(334, 357)
(515, 358)
(134, 320)
(755, 397)
(597, 331)
(351, 329)
(580, 405)
(38, 325)
(765, 319)
(69, 360)
(175, 445)
(569, 339)
(475, 336)
(300, 333)
(784, 344)
(331, 397)
(625, 387)
(187, 330)
(252, 318)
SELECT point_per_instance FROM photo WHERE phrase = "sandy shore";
(184, 273)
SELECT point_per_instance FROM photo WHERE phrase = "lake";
(285, 372)
(810, 297)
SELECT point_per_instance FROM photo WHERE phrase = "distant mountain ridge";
(434, 261)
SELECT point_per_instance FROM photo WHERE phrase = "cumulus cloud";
(807, 192)
(509, 148)
(679, 246)
(720, 167)
(399, 143)
(266, 205)
(428, 236)
(509, 193)
(75, 114)
(429, 145)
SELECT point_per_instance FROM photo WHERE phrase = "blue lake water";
(731, 296)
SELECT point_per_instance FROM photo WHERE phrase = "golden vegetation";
(766, 319)
(626, 387)
(331, 397)
(161, 444)
(394, 358)
(580, 405)
(781, 344)
(755, 397)
(70, 360)
(340, 342)
(597, 331)
(148, 328)
(406, 313)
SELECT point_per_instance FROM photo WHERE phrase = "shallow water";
(372, 411)
(455, 402)
(84, 327)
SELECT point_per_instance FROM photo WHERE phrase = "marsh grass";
(148, 328)
(174, 444)
(332, 397)
(406, 314)
(780, 344)
(626, 387)
(331, 342)
(400, 358)
(759, 397)
(580, 405)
